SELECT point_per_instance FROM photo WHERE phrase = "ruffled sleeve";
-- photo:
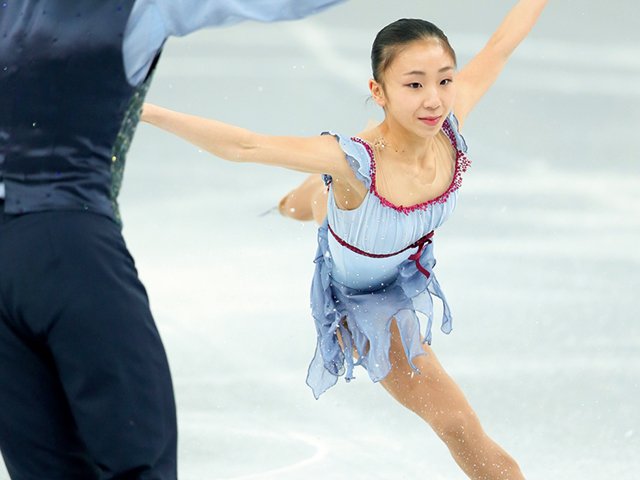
(455, 128)
(357, 154)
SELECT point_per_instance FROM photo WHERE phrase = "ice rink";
(540, 263)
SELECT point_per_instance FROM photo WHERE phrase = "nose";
(431, 100)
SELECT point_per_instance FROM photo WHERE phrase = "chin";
(430, 131)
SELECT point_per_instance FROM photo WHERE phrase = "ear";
(377, 93)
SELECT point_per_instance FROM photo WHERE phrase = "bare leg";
(306, 202)
(436, 398)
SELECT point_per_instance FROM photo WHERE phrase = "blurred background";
(540, 263)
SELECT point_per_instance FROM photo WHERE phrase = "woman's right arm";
(320, 154)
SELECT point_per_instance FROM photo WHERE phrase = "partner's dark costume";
(85, 390)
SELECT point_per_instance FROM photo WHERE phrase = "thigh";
(38, 437)
(431, 393)
(92, 316)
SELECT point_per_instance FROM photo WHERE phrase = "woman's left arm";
(479, 74)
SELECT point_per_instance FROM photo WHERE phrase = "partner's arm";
(479, 74)
(319, 154)
(152, 21)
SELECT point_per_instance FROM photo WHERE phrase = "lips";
(431, 121)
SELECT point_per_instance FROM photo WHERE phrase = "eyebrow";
(420, 72)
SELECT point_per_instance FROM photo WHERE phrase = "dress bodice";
(379, 227)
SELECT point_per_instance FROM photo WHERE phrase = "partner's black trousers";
(85, 389)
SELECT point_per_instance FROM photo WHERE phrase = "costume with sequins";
(373, 264)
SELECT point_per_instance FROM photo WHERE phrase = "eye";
(446, 81)
(414, 85)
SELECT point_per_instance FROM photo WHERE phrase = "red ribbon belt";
(419, 244)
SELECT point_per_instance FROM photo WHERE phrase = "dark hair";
(398, 34)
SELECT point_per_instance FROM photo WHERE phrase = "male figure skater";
(85, 389)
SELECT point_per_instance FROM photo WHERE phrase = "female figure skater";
(389, 188)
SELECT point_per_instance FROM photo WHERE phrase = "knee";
(290, 207)
(458, 427)
(508, 464)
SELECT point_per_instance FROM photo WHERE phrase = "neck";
(412, 148)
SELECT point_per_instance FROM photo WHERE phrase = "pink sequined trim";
(462, 164)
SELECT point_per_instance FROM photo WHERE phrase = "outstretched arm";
(319, 154)
(480, 73)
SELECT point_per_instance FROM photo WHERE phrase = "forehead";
(424, 55)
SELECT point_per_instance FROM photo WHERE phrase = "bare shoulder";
(370, 133)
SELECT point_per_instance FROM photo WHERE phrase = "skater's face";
(417, 90)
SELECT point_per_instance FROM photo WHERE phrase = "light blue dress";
(358, 289)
